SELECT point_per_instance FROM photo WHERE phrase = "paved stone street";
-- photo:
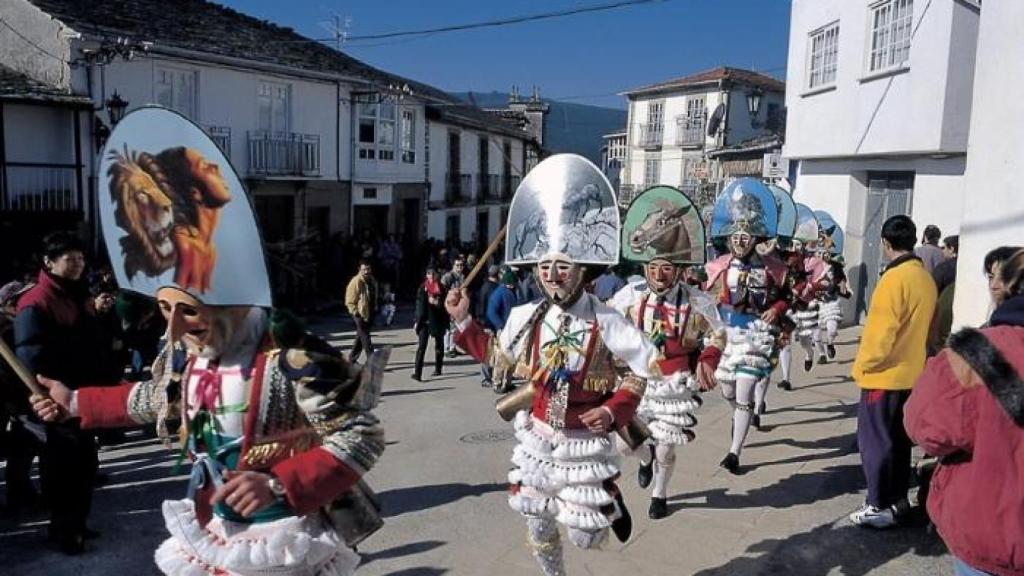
(442, 483)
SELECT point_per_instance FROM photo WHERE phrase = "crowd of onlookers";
(964, 406)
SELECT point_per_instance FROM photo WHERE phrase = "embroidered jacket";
(678, 326)
(763, 285)
(584, 352)
(303, 416)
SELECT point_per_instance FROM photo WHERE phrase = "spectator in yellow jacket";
(892, 354)
(361, 301)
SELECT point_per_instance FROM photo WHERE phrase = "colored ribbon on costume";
(555, 353)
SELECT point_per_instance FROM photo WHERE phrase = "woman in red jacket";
(967, 408)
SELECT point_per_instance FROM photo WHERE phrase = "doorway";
(889, 194)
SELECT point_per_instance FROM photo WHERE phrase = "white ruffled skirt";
(292, 546)
(561, 474)
(748, 351)
(806, 321)
(829, 311)
(667, 407)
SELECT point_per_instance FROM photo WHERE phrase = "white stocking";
(743, 411)
(664, 465)
(819, 343)
(785, 359)
(760, 391)
(546, 544)
(805, 343)
(832, 327)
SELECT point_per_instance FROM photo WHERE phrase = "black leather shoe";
(417, 377)
(822, 359)
(785, 385)
(731, 462)
(435, 373)
(658, 509)
(808, 364)
(831, 349)
(486, 383)
(645, 473)
(623, 525)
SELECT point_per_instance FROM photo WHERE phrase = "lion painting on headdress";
(170, 205)
(145, 211)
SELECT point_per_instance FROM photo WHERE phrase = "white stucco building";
(992, 212)
(613, 157)
(672, 126)
(878, 113)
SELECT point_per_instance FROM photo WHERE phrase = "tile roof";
(15, 86)
(722, 73)
(203, 26)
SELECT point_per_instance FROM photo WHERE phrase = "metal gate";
(889, 194)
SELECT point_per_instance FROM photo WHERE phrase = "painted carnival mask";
(661, 275)
(204, 330)
(741, 244)
(561, 279)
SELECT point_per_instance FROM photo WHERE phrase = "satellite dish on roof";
(716, 119)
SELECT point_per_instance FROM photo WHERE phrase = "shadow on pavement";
(416, 391)
(402, 500)
(403, 550)
(798, 489)
(419, 571)
(853, 550)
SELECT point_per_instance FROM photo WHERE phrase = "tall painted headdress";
(806, 225)
(662, 222)
(787, 211)
(565, 205)
(175, 214)
(831, 234)
(746, 205)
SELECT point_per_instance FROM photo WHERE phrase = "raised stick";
(498, 239)
(23, 374)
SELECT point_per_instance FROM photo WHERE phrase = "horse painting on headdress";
(664, 231)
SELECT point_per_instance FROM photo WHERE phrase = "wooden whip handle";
(491, 249)
(23, 374)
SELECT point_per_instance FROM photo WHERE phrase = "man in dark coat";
(483, 296)
(431, 322)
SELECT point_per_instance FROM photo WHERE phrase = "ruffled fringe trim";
(830, 311)
(663, 409)
(540, 507)
(582, 518)
(664, 433)
(291, 545)
(562, 473)
(561, 445)
(538, 481)
(680, 385)
(591, 496)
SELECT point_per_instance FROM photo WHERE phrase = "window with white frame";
(409, 136)
(891, 24)
(176, 89)
(650, 134)
(823, 56)
(652, 172)
(377, 125)
(695, 107)
(273, 101)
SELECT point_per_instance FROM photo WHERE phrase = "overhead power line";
(30, 42)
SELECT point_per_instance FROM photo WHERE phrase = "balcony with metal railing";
(690, 131)
(221, 136)
(39, 187)
(651, 135)
(283, 154)
(458, 189)
(509, 184)
(488, 188)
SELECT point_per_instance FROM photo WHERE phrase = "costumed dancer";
(834, 286)
(752, 297)
(806, 272)
(564, 220)
(664, 232)
(278, 427)
(779, 247)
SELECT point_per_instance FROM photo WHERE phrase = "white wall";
(227, 97)
(923, 109)
(993, 208)
(46, 34)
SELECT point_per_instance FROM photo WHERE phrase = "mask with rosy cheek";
(741, 245)
(662, 276)
(561, 281)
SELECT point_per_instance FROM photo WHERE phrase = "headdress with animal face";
(563, 217)
(663, 231)
(745, 215)
(830, 235)
(177, 215)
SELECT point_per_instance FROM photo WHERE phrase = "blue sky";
(583, 58)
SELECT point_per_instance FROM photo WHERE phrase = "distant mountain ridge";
(575, 128)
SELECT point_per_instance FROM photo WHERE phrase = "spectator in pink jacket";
(967, 409)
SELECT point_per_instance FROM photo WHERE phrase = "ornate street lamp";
(754, 104)
(116, 108)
